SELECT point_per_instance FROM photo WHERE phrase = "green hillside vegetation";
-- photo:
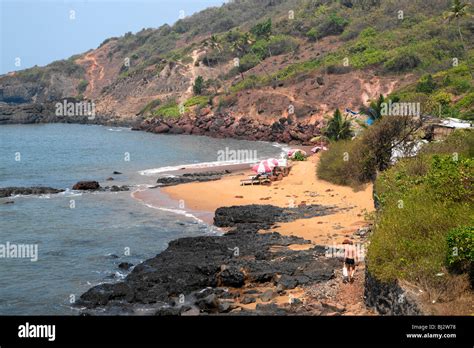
(426, 206)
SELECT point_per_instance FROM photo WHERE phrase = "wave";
(176, 211)
(154, 171)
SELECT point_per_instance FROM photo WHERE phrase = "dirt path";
(192, 75)
(94, 71)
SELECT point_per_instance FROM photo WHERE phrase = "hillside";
(266, 69)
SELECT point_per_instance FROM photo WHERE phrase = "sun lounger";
(256, 180)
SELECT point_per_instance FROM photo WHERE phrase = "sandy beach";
(300, 187)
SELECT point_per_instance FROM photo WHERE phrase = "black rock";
(191, 264)
(208, 303)
(287, 282)
(12, 191)
(125, 265)
(248, 300)
(231, 276)
(191, 177)
(267, 295)
(116, 173)
(86, 186)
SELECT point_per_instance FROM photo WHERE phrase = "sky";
(38, 32)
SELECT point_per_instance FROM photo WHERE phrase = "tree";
(374, 111)
(262, 30)
(338, 128)
(214, 43)
(458, 11)
(198, 85)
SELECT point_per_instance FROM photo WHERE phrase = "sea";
(82, 237)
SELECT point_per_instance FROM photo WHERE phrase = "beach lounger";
(256, 180)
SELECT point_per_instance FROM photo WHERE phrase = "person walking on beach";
(350, 257)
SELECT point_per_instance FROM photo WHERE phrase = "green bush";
(299, 157)
(426, 84)
(198, 85)
(336, 165)
(312, 34)
(451, 178)
(402, 62)
(460, 243)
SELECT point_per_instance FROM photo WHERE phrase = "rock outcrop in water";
(191, 177)
(86, 186)
(195, 275)
(12, 191)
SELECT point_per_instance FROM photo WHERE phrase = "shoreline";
(301, 187)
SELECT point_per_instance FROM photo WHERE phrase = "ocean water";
(82, 237)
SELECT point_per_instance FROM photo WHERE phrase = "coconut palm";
(458, 11)
(338, 128)
(374, 110)
(214, 43)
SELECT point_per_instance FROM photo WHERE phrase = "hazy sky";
(41, 31)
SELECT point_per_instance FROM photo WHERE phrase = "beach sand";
(300, 187)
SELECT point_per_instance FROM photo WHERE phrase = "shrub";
(426, 84)
(312, 34)
(336, 165)
(263, 29)
(198, 85)
(402, 62)
(299, 157)
(451, 178)
(460, 243)
(82, 86)
(248, 61)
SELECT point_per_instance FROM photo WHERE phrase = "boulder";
(125, 265)
(232, 276)
(86, 186)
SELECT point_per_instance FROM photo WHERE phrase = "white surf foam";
(154, 171)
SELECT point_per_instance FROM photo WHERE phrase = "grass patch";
(199, 100)
(170, 109)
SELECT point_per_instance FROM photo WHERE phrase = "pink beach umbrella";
(263, 167)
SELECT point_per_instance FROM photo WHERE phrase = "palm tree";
(214, 43)
(374, 110)
(458, 11)
(338, 128)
